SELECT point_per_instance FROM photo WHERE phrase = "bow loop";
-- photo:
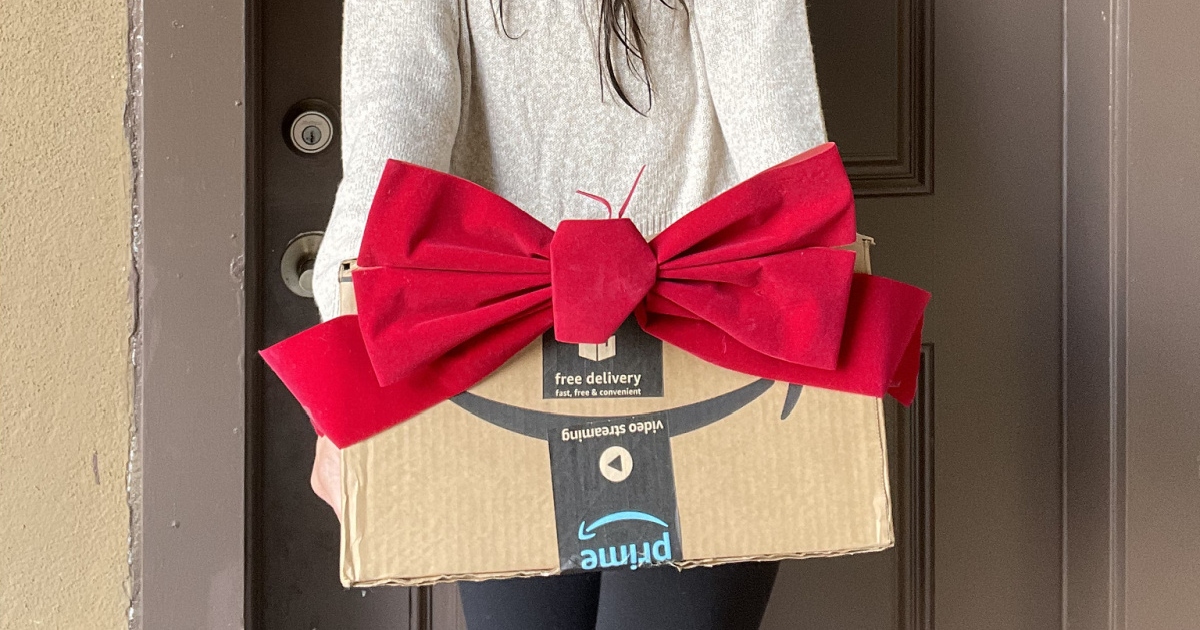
(423, 219)
(756, 263)
(803, 202)
(442, 261)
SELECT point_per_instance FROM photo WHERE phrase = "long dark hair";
(619, 35)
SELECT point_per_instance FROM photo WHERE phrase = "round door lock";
(311, 132)
(296, 267)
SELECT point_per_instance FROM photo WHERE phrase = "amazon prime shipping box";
(631, 453)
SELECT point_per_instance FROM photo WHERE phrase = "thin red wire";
(628, 198)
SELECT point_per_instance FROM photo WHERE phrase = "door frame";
(191, 119)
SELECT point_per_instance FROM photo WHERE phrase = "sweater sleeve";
(401, 98)
(759, 64)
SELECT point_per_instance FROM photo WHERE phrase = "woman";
(534, 99)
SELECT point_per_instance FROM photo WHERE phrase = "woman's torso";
(538, 120)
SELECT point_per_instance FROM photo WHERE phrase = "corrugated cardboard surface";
(447, 495)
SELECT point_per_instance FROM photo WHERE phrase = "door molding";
(915, 507)
(909, 170)
(904, 164)
(1096, 76)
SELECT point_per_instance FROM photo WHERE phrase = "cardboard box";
(614, 456)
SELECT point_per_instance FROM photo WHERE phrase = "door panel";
(986, 242)
(975, 218)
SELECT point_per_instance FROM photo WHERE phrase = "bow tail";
(880, 350)
(328, 370)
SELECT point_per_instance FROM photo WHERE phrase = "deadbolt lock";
(296, 267)
(309, 126)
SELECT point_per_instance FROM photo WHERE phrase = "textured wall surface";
(65, 314)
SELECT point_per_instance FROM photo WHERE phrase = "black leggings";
(727, 597)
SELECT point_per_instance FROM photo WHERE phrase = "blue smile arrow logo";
(587, 532)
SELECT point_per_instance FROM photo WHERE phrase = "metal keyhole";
(296, 266)
(311, 135)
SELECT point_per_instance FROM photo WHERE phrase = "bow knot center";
(600, 270)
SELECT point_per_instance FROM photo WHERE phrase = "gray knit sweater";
(436, 82)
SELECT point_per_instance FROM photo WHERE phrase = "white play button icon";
(615, 464)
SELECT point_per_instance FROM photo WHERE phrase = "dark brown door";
(950, 121)
(960, 105)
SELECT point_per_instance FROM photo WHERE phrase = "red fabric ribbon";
(454, 280)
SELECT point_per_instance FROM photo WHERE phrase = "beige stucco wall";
(64, 314)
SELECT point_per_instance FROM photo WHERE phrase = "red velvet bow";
(454, 280)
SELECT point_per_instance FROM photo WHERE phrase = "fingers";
(326, 478)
